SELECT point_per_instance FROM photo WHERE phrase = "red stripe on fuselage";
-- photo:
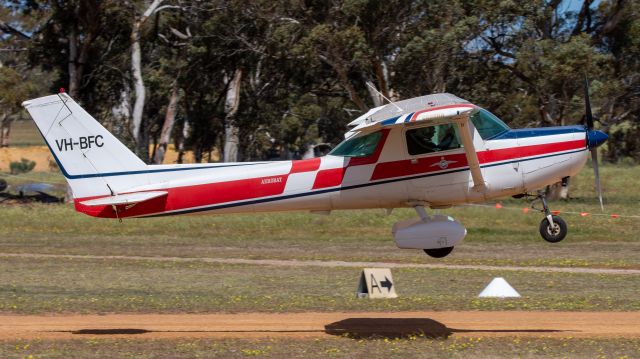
(309, 165)
(329, 178)
(204, 194)
(333, 177)
(528, 151)
(422, 165)
(196, 196)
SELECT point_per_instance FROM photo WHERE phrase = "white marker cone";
(499, 288)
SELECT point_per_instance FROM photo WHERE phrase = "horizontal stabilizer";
(129, 198)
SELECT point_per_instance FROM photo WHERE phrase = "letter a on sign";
(376, 283)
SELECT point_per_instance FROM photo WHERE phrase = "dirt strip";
(317, 263)
(314, 325)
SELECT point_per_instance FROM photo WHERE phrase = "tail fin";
(93, 161)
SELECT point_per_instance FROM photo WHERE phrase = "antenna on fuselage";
(383, 96)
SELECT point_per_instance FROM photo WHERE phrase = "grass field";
(496, 237)
(504, 236)
(416, 347)
(107, 286)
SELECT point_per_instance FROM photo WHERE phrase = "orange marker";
(614, 216)
(498, 205)
(555, 213)
(525, 210)
(584, 214)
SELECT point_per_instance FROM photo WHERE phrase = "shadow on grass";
(115, 331)
(394, 328)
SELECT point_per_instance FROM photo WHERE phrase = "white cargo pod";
(433, 232)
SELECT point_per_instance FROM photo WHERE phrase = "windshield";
(487, 124)
(362, 146)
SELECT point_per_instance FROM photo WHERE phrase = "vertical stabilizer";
(93, 161)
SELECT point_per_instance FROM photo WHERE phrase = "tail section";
(93, 161)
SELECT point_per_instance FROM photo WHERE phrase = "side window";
(487, 124)
(362, 146)
(432, 139)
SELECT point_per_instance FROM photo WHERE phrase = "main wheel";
(439, 252)
(555, 233)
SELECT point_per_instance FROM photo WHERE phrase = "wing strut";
(472, 157)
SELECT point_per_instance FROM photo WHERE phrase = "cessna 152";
(432, 151)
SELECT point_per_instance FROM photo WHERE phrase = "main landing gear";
(439, 252)
(432, 252)
(552, 228)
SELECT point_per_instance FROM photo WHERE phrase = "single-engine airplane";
(433, 151)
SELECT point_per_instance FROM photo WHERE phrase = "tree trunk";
(122, 114)
(231, 104)
(5, 130)
(167, 126)
(138, 86)
(382, 75)
(80, 46)
(185, 133)
(142, 148)
(353, 94)
(375, 96)
(73, 61)
(136, 70)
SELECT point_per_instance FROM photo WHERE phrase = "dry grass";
(30, 285)
(416, 347)
(496, 237)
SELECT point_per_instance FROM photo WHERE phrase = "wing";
(440, 114)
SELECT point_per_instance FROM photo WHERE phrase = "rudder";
(93, 161)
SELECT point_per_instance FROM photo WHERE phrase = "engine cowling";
(437, 231)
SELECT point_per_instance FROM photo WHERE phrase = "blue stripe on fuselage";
(537, 132)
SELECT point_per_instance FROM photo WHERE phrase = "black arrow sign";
(386, 283)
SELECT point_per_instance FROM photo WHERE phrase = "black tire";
(439, 252)
(555, 234)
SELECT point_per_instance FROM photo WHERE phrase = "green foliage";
(23, 166)
(305, 65)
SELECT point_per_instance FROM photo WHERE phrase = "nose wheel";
(553, 229)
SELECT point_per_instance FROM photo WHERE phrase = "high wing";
(436, 115)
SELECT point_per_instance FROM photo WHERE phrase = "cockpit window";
(432, 139)
(488, 125)
(362, 146)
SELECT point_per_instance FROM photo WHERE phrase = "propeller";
(594, 139)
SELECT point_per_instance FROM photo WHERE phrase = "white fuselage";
(390, 178)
